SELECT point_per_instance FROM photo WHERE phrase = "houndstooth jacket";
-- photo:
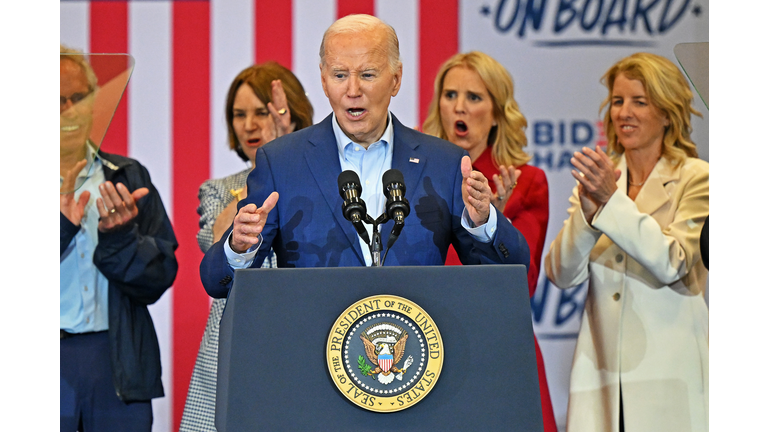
(200, 407)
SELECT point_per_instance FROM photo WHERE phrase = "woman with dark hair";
(264, 102)
(642, 356)
(474, 107)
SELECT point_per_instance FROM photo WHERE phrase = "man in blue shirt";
(117, 256)
(293, 203)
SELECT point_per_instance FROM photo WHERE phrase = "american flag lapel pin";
(414, 160)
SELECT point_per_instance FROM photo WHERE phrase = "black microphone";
(397, 206)
(354, 207)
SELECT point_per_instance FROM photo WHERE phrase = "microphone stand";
(375, 245)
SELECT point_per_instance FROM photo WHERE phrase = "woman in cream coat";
(642, 357)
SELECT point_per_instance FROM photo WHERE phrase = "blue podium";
(273, 374)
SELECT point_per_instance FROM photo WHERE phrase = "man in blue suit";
(293, 203)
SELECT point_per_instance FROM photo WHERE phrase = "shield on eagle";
(385, 361)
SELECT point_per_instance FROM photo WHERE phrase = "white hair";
(361, 23)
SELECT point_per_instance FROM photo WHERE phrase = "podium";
(273, 374)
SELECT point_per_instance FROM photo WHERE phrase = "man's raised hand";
(249, 222)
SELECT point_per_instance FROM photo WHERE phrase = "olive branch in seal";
(364, 367)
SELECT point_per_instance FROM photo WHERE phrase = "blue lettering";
(533, 13)
(562, 133)
(542, 133)
(565, 161)
(546, 133)
(546, 161)
(588, 26)
(583, 126)
(642, 11)
(569, 304)
(665, 25)
(539, 300)
(620, 21)
(504, 28)
(565, 7)
(590, 16)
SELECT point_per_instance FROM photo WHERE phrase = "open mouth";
(461, 128)
(70, 128)
(356, 112)
(254, 142)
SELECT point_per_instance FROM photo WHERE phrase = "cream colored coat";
(645, 322)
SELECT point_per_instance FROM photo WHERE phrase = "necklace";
(636, 184)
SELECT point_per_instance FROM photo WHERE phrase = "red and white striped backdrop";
(172, 117)
(187, 52)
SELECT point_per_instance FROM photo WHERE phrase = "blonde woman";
(474, 107)
(641, 361)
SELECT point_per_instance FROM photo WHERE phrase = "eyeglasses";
(75, 98)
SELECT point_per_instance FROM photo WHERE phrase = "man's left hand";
(476, 193)
(117, 206)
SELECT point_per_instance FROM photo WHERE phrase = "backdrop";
(187, 52)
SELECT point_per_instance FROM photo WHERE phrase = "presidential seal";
(384, 353)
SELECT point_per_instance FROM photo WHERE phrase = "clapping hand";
(505, 181)
(73, 209)
(117, 205)
(597, 178)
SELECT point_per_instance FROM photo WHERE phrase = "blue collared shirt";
(369, 165)
(84, 289)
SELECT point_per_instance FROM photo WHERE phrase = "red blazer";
(528, 210)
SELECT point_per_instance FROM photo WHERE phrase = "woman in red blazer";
(474, 108)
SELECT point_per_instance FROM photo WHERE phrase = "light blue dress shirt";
(370, 165)
(84, 289)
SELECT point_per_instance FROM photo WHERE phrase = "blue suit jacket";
(307, 228)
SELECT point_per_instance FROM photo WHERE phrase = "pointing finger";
(270, 202)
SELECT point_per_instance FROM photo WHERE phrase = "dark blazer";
(140, 264)
(307, 228)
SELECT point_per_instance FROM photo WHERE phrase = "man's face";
(77, 110)
(359, 83)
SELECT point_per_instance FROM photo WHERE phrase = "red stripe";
(274, 31)
(438, 41)
(348, 7)
(191, 166)
(109, 34)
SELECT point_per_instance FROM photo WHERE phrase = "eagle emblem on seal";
(384, 346)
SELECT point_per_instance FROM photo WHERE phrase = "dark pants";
(88, 400)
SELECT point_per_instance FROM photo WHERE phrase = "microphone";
(353, 207)
(397, 206)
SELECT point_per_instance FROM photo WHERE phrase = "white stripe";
(310, 19)
(149, 93)
(231, 52)
(75, 25)
(403, 15)
(149, 141)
